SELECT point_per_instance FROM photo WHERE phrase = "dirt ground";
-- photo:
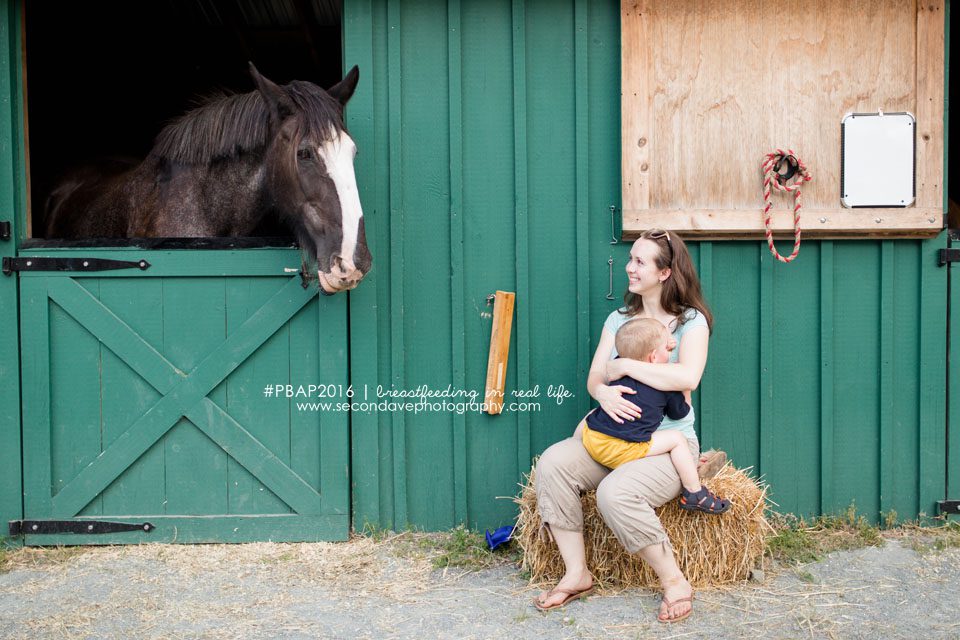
(391, 589)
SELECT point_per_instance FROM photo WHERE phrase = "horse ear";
(344, 89)
(278, 102)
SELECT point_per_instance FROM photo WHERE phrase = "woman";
(663, 284)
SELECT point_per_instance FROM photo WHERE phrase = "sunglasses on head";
(656, 234)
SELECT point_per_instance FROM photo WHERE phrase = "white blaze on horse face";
(337, 154)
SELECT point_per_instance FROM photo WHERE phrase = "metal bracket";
(949, 507)
(946, 256)
(24, 527)
(11, 265)
(5, 230)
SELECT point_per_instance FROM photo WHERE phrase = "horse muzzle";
(332, 283)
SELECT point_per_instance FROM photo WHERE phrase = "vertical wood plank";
(827, 380)
(241, 395)
(522, 197)
(12, 182)
(635, 88)
(888, 363)
(581, 227)
(194, 324)
(493, 252)
(856, 352)
(457, 320)
(932, 374)
(706, 399)
(735, 339)
(397, 369)
(305, 426)
(359, 47)
(768, 453)
(905, 384)
(953, 391)
(427, 286)
(334, 426)
(127, 396)
(35, 362)
(929, 95)
(75, 402)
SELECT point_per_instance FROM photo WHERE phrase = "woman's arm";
(683, 375)
(610, 398)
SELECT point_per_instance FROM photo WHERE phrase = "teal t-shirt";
(694, 319)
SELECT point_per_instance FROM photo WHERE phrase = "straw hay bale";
(711, 550)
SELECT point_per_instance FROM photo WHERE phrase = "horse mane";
(226, 125)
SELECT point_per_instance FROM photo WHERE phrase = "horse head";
(309, 176)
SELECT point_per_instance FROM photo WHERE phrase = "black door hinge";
(11, 265)
(946, 256)
(24, 527)
(5, 230)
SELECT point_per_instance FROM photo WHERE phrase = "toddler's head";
(644, 339)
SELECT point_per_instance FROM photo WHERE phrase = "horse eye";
(304, 154)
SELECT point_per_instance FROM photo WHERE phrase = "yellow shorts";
(610, 451)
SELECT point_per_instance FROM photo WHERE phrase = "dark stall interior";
(104, 77)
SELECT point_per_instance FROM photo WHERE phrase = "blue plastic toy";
(499, 537)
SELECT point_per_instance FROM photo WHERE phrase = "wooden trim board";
(747, 224)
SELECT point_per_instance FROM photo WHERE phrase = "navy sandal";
(703, 500)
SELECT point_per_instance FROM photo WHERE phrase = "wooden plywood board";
(499, 350)
(709, 88)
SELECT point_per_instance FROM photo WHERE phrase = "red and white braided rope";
(771, 179)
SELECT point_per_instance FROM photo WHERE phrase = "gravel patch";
(365, 589)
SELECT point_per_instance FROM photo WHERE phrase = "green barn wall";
(490, 155)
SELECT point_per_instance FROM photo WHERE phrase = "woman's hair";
(681, 291)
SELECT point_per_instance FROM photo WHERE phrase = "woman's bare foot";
(579, 581)
(678, 592)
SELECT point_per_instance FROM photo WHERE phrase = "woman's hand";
(615, 405)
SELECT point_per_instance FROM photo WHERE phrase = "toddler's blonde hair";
(638, 338)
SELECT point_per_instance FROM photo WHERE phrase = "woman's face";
(642, 271)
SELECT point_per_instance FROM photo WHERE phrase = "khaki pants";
(626, 496)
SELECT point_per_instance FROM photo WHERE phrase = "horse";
(223, 167)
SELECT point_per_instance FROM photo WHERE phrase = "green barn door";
(952, 505)
(149, 396)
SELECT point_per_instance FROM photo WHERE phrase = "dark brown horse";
(223, 167)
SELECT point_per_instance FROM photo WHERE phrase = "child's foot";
(703, 500)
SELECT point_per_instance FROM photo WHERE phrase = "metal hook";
(613, 224)
(610, 292)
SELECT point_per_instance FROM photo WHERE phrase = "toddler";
(613, 444)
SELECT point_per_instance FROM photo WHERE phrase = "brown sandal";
(572, 594)
(670, 605)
